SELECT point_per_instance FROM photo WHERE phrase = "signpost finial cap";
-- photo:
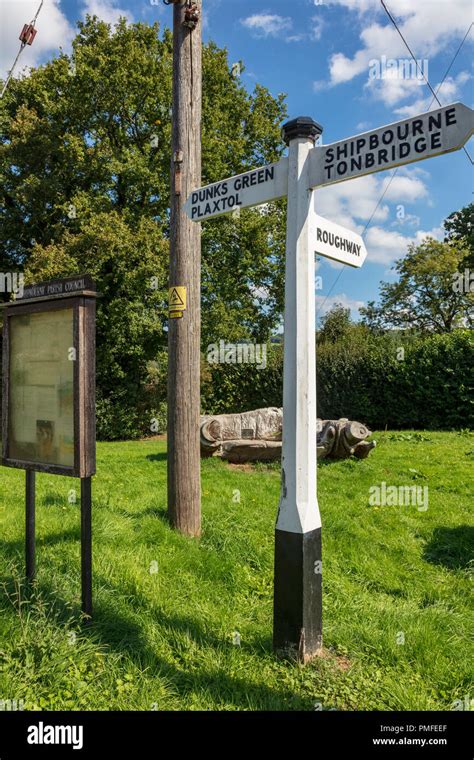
(303, 126)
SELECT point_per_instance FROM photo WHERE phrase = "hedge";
(430, 385)
(393, 380)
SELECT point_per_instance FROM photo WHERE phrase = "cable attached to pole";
(27, 35)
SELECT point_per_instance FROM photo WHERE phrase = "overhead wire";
(395, 171)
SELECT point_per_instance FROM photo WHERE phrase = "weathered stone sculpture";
(257, 435)
(340, 439)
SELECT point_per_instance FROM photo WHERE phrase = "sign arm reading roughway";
(336, 242)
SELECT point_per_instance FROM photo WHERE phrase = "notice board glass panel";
(41, 419)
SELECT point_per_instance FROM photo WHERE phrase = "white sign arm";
(430, 134)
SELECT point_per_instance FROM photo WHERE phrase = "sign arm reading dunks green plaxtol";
(297, 624)
(243, 191)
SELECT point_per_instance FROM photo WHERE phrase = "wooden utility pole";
(184, 346)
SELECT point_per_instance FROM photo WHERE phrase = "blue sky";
(321, 55)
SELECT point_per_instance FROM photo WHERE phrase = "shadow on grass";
(161, 456)
(17, 547)
(451, 547)
(121, 633)
(159, 511)
(116, 625)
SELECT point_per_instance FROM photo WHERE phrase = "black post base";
(297, 612)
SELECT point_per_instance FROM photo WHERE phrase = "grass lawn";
(167, 607)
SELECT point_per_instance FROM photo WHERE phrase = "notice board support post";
(86, 546)
(184, 331)
(297, 625)
(30, 542)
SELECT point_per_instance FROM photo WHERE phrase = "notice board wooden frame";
(79, 294)
(83, 304)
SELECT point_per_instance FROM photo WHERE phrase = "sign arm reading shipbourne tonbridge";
(430, 134)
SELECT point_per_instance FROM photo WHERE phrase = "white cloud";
(391, 88)
(106, 10)
(267, 24)
(296, 38)
(52, 26)
(318, 27)
(324, 305)
(449, 92)
(407, 220)
(429, 26)
(355, 202)
(405, 187)
(354, 5)
(273, 25)
(385, 246)
(321, 84)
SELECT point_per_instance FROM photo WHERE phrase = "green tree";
(335, 325)
(460, 226)
(428, 295)
(84, 186)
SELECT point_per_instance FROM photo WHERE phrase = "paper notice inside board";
(41, 420)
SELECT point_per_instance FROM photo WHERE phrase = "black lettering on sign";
(434, 121)
(451, 116)
(420, 145)
(330, 155)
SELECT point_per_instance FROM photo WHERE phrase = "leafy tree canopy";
(90, 134)
(85, 149)
(430, 295)
(460, 226)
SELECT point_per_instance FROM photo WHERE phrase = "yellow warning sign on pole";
(177, 301)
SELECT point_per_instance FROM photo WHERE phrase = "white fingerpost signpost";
(297, 621)
(297, 608)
